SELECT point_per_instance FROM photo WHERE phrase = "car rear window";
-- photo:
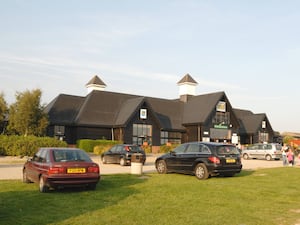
(70, 155)
(133, 148)
(227, 150)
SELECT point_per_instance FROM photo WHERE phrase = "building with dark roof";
(137, 119)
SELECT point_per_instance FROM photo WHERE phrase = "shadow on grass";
(245, 173)
(24, 204)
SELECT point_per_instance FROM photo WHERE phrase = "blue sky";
(249, 49)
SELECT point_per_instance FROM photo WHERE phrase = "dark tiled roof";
(198, 108)
(253, 122)
(242, 113)
(250, 122)
(168, 112)
(187, 79)
(64, 109)
(127, 109)
(101, 108)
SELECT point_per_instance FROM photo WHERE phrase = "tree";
(3, 112)
(26, 116)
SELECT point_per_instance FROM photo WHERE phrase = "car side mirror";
(172, 153)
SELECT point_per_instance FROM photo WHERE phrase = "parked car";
(122, 154)
(262, 151)
(202, 159)
(61, 167)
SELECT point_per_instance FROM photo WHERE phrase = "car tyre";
(122, 162)
(25, 178)
(43, 187)
(268, 157)
(246, 156)
(201, 171)
(161, 167)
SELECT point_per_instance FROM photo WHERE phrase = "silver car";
(262, 151)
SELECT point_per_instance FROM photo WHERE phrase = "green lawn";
(266, 196)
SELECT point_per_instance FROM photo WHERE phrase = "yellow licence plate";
(230, 160)
(76, 170)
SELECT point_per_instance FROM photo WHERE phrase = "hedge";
(13, 145)
(96, 146)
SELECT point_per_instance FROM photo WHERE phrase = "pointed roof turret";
(187, 87)
(95, 84)
(187, 79)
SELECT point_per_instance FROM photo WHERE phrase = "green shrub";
(147, 148)
(13, 145)
(96, 146)
(167, 148)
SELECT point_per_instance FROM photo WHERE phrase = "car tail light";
(214, 159)
(56, 170)
(93, 169)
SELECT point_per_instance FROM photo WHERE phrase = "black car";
(202, 159)
(122, 154)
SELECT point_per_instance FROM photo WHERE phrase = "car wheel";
(42, 185)
(161, 166)
(25, 178)
(268, 157)
(246, 156)
(104, 160)
(122, 162)
(201, 171)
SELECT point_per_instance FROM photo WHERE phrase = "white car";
(263, 151)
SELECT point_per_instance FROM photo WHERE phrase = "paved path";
(11, 167)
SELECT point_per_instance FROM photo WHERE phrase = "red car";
(61, 167)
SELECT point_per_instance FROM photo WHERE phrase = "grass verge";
(266, 196)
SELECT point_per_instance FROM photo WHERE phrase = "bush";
(96, 146)
(14, 145)
(167, 148)
(147, 148)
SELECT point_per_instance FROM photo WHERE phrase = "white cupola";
(95, 84)
(187, 87)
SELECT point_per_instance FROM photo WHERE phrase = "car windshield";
(227, 150)
(70, 155)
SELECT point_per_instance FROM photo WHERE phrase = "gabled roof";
(168, 112)
(101, 108)
(250, 122)
(64, 109)
(253, 122)
(187, 79)
(198, 108)
(242, 113)
(127, 109)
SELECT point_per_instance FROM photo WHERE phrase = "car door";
(115, 154)
(110, 155)
(254, 151)
(174, 158)
(185, 161)
(260, 151)
(36, 166)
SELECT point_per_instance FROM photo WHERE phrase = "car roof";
(60, 148)
(210, 143)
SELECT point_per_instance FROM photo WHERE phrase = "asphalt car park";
(11, 167)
